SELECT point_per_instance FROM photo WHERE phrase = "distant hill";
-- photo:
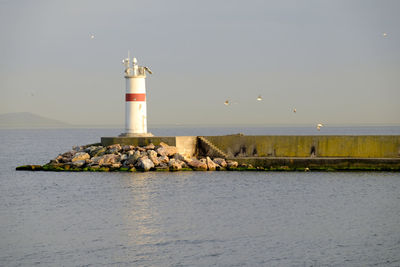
(28, 120)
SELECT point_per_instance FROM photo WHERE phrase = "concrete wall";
(138, 141)
(381, 146)
(186, 145)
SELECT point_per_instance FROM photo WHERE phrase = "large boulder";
(126, 148)
(79, 163)
(99, 151)
(145, 164)
(150, 146)
(198, 165)
(175, 164)
(113, 149)
(92, 149)
(162, 166)
(163, 159)
(80, 156)
(107, 159)
(231, 164)
(221, 162)
(182, 157)
(166, 150)
(78, 148)
(133, 156)
(68, 155)
(61, 159)
(211, 165)
(153, 157)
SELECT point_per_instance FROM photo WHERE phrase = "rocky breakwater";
(130, 158)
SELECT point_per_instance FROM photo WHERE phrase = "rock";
(198, 165)
(211, 165)
(175, 164)
(65, 160)
(123, 157)
(113, 149)
(79, 163)
(231, 164)
(162, 166)
(163, 159)
(162, 144)
(167, 151)
(133, 157)
(116, 165)
(69, 154)
(153, 157)
(80, 156)
(184, 164)
(107, 159)
(221, 162)
(60, 159)
(182, 157)
(126, 148)
(78, 148)
(150, 146)
(100, 151)
(91, 149)
(145, 164)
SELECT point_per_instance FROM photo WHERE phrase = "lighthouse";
(135, 99)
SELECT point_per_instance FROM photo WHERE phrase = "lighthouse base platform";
(136, 135)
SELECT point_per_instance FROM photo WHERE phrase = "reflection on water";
(143, 218)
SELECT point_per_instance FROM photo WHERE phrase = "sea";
(192, 218)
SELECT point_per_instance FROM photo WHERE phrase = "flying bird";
(384, 34)
(294, 110)
(319, 126)
(92, 36)
(226, 103)
(259, 98)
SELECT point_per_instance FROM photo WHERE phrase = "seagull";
(226, 102)
(319, 125)
(259, 98)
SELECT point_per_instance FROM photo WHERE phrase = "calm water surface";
(191, 218)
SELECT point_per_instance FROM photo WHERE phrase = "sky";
(330, 60)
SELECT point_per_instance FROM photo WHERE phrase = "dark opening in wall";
(242, 151)
(255, 152)
(313, 152)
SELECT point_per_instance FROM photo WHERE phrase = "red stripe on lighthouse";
(135, 97)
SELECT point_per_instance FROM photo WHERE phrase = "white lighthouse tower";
(135, 99)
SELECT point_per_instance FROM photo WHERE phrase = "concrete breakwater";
(345, 152)
(232, 152)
